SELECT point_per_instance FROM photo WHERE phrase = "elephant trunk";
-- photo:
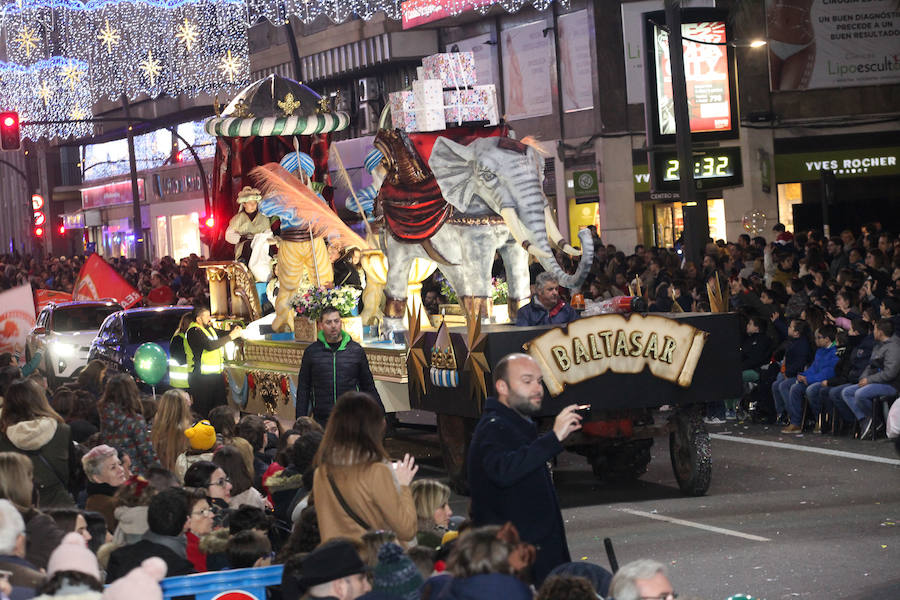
(530, 221)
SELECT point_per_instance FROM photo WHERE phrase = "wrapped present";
(478, 104)
(454, 69)
(403, 110)
(429, 105)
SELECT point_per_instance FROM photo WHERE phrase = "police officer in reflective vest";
(180, 356)
(208, 356)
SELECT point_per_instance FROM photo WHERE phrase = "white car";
(65, 331)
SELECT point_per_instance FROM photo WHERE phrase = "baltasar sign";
(590, 347)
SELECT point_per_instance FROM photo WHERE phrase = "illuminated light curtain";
(47, 91)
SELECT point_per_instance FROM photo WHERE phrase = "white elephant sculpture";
(495, 188)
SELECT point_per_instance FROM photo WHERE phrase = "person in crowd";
(24, 576)
(880, 378)
(372, 541)
(122, 423)
(141, 583)
(280, 456)
(641, 580)
(72, 573)
(331, 366)
(96, 526)
(853, 361)
(821, 369)
(71, 520)
(796, 357)
(208, 356)
(546, 307)
(755, 353)
(598, 577)
(209, 477)
(274, 432)
(396, 575)
(247, 549)
(75, 407)
(507, 461)
(200, 524)
(253, 429)
(201, 440)
(229, 460)
(105, 473)
(90, 381)
(287, 487)
(172, 418)
(304, 536)
(132, 504)
(28, 425)
(333, 570)
(160, 292)
(568, 587)
(166, 517)
(481, 565)
(357, 488)
(432, 499)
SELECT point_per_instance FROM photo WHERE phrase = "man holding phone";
(507, 464)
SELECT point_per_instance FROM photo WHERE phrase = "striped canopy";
(271, 126)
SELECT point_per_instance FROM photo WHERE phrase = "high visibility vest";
(178, 373)
(211, 361)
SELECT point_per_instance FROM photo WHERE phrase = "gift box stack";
(444, 95)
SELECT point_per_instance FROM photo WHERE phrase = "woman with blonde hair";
(356, 487)
(42, 534)
(432, 500)
(167, 433)
(30, 426)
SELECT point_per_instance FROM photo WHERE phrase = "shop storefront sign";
(179, 184)
(859, 162)
(590, 347)
(110, 194)
(584, 183)
(74, 221)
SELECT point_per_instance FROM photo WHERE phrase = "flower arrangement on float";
(309, 302)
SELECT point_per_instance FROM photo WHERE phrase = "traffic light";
(10, 138)
(37, 203)
(61, 227)
(207, 229)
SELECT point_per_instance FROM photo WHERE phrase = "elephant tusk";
(555, 236)
(537, 252)
(515, 226)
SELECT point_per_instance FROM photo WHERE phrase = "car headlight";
(63, 349)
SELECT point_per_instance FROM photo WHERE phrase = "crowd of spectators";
(162, 281)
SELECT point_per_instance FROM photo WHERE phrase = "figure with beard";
(507, 462)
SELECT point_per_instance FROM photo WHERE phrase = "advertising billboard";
(709, 77)
(825, 44)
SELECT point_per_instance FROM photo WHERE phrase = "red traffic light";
(10, 137)
(210, 222)
(62, 230)
(39, 232)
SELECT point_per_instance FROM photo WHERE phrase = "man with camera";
(508, 469)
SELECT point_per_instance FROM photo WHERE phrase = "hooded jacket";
(796, 356)
(822, 366)
(884, 366)
(327, 371)
(48, 443)
(755, 351)
(132, 524)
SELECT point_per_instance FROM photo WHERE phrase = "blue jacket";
(822, 366)
(534, 313)
(796, 357)
(478, 587)
(509, 481)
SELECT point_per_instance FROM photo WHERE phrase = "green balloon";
(150, 363)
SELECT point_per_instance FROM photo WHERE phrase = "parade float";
(451, 188)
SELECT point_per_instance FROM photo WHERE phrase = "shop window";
(162, 237)
(185, 235)
(669, 222)
(789, 194)
(716, 211)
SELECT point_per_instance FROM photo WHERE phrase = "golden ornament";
(109, 36)
(151, 67)
(230, 66)
(241, 110)
(27, 40)
(187, 34)
(288, 106)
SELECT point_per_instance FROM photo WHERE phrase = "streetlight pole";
(138, 226)
(696, 218)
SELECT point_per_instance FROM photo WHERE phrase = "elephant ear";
(453, 166)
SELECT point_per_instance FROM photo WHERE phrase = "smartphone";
(584, 410)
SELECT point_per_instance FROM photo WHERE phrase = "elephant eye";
(488, 176)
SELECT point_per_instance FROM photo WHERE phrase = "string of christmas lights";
(47, 91)
(180, 47)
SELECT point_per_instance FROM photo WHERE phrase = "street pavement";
(777, 522)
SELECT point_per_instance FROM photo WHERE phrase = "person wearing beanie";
(396, 574)
(202, 442)
(141, 583)
(72, 572)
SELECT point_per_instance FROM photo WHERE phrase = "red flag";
(16, 318)
(97, 280)
(44, 297)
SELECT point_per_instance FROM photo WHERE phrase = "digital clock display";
(712, 169)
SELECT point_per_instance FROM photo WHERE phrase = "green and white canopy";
(275, 106)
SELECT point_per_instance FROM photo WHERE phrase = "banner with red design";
(16, 318)
(97, 280)
(44, 297)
